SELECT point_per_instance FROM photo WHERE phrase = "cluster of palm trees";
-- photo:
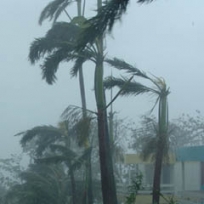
(80, 40)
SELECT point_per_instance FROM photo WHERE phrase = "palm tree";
(148, 141)
(53, 145)
(161, 91)
(52, 11)
(61, 47)
(57, 46)
(106, 164)
(40, 184)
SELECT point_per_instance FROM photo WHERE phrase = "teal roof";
(193, 153)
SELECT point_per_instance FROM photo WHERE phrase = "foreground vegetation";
(57, 162)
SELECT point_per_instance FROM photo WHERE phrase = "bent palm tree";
(40, 184)
(49, 139)
(67, 50)
(52, 11)
(58, 46)
(60, 49)
(161, 92)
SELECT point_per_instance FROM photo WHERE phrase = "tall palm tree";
(161, 91)
(63, 48)
(106, 164)
(58, 50)
(52, 11)
(57, 46)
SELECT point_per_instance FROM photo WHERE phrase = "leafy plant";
(134, 188)
(170, 199)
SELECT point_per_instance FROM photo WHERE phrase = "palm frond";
(148, 139)
(58, 45)
(77, 66)
(78, 161)
(34, 177)
(149, 148)
(53, 10)
(39, 47)
(80, 124)
(74, 114)
(133, 87)
(82, 130)
(122, 65)
(41, 184)
(82, 57)
(48, 133)
(61, 35)
(61, 149)
(54, 159)
(104, 20)
(144, 1)
(63, 31)
(51, 64)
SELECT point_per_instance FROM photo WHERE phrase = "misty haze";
(102, 102)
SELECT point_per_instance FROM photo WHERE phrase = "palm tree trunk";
(82, 91)
(162, 144)
(107, 176)
(157, 175)
(70, 171)
(88, 191)
(89, 199)
(89, 181)
(73, 186)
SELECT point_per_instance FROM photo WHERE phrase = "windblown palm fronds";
(41, 184)
(81, 124)
(81, 159)
(122, 65)
(43, 136)
(61, 35)
(53, 10)
(57, 46)
(104, 20)
(127, 87)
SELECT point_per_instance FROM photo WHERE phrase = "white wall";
(192, 176)
(178, 177)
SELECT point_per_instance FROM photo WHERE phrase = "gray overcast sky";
(164, 38)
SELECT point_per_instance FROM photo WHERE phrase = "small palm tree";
(161, 91)
(53, 145)
(40, 184)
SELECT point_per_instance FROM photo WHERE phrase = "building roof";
(191, 153)
(136, 159)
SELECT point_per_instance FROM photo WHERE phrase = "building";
(137, 165)
(184, 171)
